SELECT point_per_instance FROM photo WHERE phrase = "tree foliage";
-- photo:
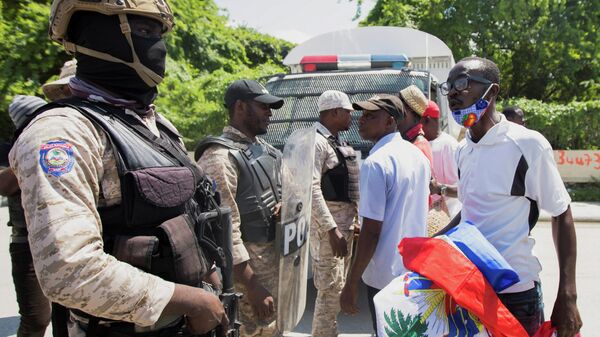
(27, 57)
(205, 55)
(546, 49)
(571, 126)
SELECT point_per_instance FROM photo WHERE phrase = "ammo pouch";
(173, 253)
(171, 250)
(155, 193)
(181, 250)
(254, 229)
(187, 262)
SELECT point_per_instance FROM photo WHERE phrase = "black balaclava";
(102, 33)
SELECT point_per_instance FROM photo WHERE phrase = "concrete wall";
(578, 165)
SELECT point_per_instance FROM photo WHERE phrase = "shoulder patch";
(56, 157)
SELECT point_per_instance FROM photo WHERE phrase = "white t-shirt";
(443, 149)
(394, 189)
(504, 178)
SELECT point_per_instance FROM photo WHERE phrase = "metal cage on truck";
(301, 91)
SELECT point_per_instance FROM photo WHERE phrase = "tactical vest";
(341, 182)
(162, 224)
(259, 184)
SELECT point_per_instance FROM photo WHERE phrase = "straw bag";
(437, 217)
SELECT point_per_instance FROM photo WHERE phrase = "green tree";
(547, 50)
(28, 59)
(193, 100)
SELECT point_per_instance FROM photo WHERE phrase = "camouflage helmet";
(62, 11)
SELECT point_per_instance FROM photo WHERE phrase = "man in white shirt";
(445, 172)
(394, 191)
(334, 208)
(506, 173)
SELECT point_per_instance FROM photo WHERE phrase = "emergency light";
(352, 62)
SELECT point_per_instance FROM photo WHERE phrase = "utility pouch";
(136, 250)
(253, 226)
(161, 194)
(186, 261)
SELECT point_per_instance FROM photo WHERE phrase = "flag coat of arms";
(450, 290)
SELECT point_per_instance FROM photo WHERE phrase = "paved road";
(588, 278)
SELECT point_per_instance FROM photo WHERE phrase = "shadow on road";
(358, 324)
(9, 326)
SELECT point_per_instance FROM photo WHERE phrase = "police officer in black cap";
(246, 171)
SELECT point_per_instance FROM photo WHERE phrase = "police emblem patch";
(56, 157)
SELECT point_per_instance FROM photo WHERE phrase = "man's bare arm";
(202, 309)
(259, 297)
(449, 190)
(565, 315)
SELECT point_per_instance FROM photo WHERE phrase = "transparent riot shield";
(292, 233)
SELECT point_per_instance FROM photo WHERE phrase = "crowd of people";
(104, 200)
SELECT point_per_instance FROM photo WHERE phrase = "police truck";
(361, 62)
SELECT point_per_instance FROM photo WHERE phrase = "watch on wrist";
(443, 190)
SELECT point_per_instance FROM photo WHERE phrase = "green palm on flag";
(401, 326)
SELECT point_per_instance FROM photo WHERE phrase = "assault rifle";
(216, 241)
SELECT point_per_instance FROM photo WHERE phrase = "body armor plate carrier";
(341, 182)
(259, 184)
(159, 226)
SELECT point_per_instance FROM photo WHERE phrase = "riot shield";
(292, 232)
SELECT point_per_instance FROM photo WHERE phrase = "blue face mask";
(470, 115)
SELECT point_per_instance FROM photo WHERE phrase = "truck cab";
(361, 62)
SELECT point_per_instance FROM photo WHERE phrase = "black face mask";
(151, 52)
(102, 33)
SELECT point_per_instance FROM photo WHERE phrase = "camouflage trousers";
(265, 264)
(329, 275)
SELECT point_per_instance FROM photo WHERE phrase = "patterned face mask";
(470, 115)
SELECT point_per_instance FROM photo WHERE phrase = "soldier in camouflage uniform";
(75, 164)
(34, 307)
(246, 171)
(334, 204)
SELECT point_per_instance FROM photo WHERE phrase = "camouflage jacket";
(67, 169)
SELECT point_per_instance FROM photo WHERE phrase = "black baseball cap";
(389, 103)
(249, 89)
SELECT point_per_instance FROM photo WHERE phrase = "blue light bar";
(389, 61)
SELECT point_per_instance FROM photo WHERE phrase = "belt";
(96, 327)
(517, 288)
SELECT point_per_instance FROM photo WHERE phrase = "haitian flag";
(451, 291)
